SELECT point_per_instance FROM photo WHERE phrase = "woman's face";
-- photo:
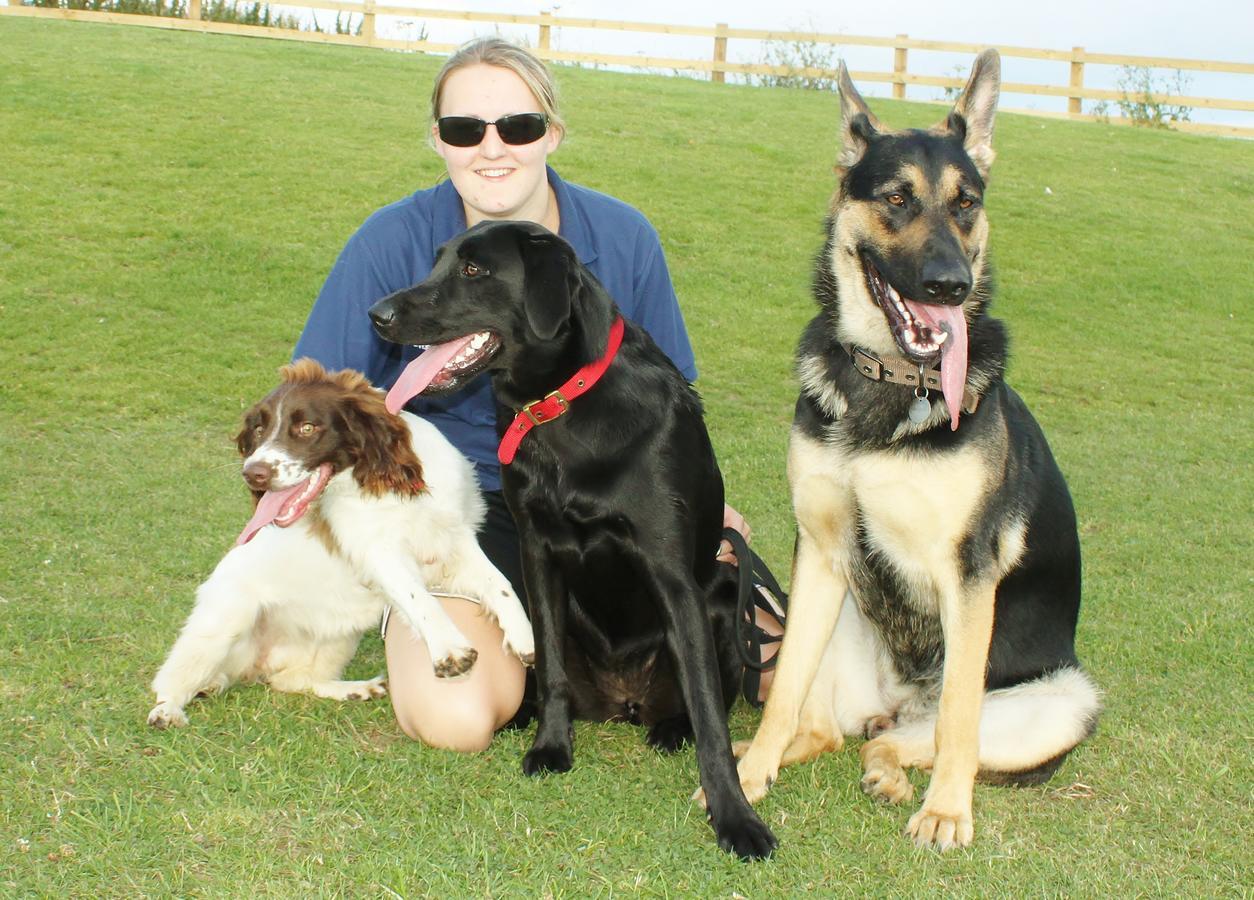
(496, 180)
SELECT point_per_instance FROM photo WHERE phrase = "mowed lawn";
(169, 206)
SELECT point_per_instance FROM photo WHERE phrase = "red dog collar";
(541, 412)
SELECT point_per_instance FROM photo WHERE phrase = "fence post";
(545, 37)
(367, 22)
(717, 75)
(1077, 80)
(899, 70)
(193, 9)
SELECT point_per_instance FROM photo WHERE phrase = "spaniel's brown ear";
(246, 442)
(384, 459)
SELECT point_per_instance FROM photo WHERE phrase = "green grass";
(169, 205)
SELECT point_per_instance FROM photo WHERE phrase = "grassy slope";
(169, 204)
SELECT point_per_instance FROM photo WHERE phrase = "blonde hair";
(495, 51)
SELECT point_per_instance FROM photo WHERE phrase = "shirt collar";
(450, 218)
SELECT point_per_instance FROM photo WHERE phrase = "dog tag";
(920, 409)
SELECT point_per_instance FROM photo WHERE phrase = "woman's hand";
(732, 519)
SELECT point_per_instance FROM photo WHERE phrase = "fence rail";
(717, 65)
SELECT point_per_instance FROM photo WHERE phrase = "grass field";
(169, 205)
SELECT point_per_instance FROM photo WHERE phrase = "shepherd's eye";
(966, 203)
(896, 199)
(306, 429)
(470, 270)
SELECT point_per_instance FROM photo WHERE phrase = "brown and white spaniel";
(357, 509)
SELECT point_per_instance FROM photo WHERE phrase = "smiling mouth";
(919, 338)
(493, 173)
(471, 358)
(444, 367)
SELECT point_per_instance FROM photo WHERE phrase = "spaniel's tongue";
(419, 373)
(953, 352)
(268, 507)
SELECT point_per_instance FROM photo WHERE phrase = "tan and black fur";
(936, 584)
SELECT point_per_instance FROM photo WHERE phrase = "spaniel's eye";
(896, 199)
(257, 430)
(306, 429)
(470, 270)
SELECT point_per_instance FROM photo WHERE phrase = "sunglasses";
(467, 131)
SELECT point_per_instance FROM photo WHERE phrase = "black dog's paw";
(540, 760)
(747, 836)
(668, 735)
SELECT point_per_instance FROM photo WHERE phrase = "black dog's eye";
(896, 199)
(470, 270)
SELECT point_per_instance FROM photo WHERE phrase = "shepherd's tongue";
(269, 506)
(418, 374)
(953, 352)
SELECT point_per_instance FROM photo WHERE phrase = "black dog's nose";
(946, 283)
(258, 475)
(382, 314)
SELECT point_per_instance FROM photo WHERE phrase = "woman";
(495, 122)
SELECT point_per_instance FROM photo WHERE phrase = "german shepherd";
(936, 583)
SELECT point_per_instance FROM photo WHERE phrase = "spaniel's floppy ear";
(550, 280)
(858, 124)
(384, 459)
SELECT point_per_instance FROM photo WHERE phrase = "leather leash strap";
(557, 403)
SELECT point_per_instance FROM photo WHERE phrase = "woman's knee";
(466, 730)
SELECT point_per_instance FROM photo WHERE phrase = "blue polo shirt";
(395, 249)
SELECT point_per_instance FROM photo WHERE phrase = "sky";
(1201, 29)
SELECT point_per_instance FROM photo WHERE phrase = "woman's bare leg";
(453, 713)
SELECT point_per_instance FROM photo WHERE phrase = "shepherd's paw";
(755, 780)
(942, 830)
(887, 783)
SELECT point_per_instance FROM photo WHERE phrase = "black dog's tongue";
(419, 373)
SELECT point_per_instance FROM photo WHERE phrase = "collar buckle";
(538, 416)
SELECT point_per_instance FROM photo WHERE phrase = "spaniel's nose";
(258, 475)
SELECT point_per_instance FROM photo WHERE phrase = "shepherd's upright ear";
(549, 282)
(977, 107)
(857, 123)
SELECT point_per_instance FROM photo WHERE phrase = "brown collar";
(900, 370)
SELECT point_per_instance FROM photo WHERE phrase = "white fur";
(284, 609)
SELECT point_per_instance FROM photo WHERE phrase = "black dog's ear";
(549, 266)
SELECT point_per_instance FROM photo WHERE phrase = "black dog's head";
(511, 297)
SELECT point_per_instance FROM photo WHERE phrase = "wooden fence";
(717, 65)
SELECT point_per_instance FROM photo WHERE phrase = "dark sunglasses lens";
(462, 131)
(523, 128)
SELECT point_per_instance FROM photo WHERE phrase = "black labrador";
(617, 497)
